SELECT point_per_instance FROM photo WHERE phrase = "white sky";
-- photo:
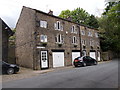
(10, 9)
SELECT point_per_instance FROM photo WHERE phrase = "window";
(82, 32)
(91, 43)
(73, 29)
(97, 43)
(74, 40)
(43, 38)
(96, 35)
(44, 56)
(58, 26)
(59, 39)
(83, 42)
(90, 33)
(43, 24)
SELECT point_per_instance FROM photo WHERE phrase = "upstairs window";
(43, 38)
(90, 33)
(59, 39)
(91, 43)
(96, 35)
(73, 29)
(58, 26)
(43, 24)
(82, 32)
(74, 40)
(97, 43)
(83, 42)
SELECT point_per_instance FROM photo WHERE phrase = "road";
(103, 75)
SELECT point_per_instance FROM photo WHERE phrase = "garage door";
(92, 54)
(58, 59)
(75, 55)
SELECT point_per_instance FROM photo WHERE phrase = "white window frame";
(96, 35)
(43, 24)
(97, 43)
(73, 29)
(83, 42)
(43, 38)
(82, 32)
(59, 39)
(90, 33)
(74, 40)
(91, 43)
(58, 26)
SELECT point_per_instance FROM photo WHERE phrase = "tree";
(80, 16)
(110, 26)
(92, 21)
(65, 14)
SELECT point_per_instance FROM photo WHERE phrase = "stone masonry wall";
(25, 38)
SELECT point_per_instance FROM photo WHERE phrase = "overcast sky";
(10, 9)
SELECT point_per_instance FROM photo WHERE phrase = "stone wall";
(25, 30)
(51, 33)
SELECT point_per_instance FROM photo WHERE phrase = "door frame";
(47, 60)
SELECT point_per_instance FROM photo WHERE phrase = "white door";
(44, 59)
(98, 56)
(92, 54)
(75, 55)
(58, 59)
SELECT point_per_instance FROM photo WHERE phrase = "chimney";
(50, 12)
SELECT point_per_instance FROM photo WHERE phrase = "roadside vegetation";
(108, 24)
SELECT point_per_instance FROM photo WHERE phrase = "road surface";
(103, 75)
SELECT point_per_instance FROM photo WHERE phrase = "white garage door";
(92, 54)
(58, 59)
(75, 55)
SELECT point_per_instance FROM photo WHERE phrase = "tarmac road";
(103, 75)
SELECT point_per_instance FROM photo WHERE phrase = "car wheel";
(76, 66)
(10, 71)
(84, 64)
(95, 63)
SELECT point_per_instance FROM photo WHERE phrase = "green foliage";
(12, 39)
(80, 16)
(92, 21)
(110, 25)
(65, 14)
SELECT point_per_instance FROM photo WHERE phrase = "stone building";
(90, 43)
(46, 41)
(6, 33)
